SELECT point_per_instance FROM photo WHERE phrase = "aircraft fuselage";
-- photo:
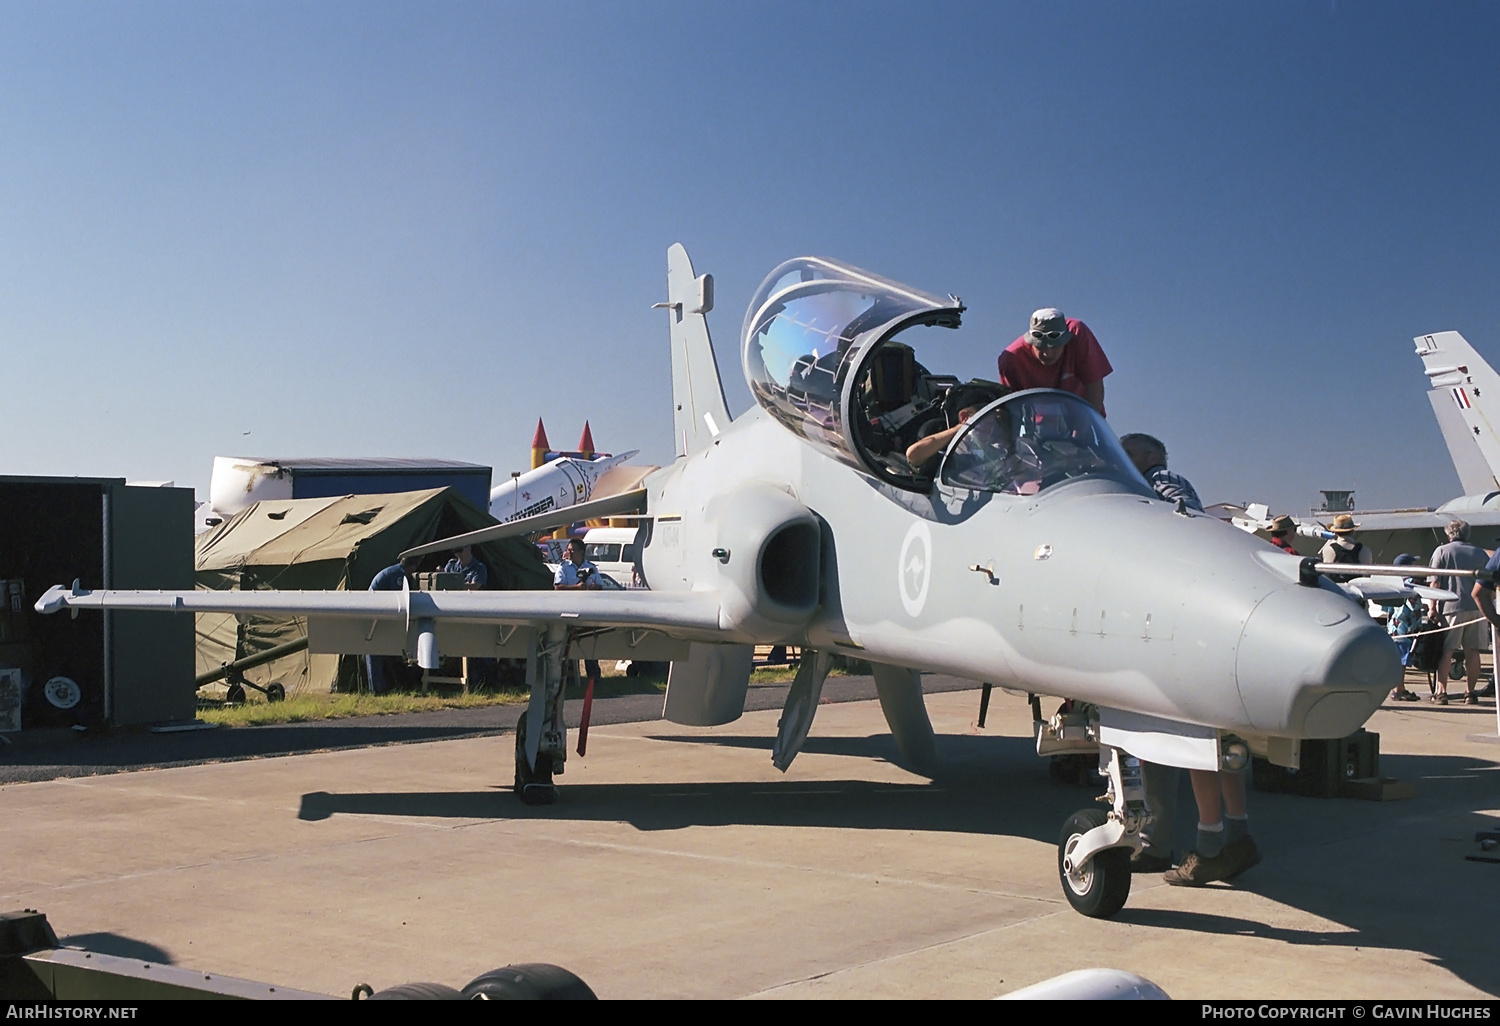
(1090, 590)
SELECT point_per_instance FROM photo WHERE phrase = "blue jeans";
(379, 673)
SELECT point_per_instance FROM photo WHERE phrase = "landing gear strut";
(1094, 850)
(541, 744)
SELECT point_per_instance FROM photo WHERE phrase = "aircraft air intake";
(788, 566)
(767, 559)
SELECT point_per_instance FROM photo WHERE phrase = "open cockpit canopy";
(819, 355)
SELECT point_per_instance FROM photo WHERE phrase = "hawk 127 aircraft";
(1029, 553)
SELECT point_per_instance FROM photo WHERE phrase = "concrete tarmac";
(679, 863)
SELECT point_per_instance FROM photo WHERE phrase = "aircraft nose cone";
(1310, 663)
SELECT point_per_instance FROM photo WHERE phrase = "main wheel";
(417, 992)
(533, 787)
(1099, 888)
(533, 981)
(235, 695)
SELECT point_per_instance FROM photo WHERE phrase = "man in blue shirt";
(384, 672)
(481, 671)
(476, 574)
(394, 578)
(1150, 457)
(575, 572)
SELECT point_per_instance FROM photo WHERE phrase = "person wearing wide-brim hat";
(1280, 528)
(1343, 549)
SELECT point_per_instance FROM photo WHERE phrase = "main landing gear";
(541, 741)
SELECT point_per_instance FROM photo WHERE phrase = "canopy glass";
(808, 337)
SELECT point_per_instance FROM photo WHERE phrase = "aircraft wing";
(692, 612)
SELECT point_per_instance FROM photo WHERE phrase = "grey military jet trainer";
(1029, 554)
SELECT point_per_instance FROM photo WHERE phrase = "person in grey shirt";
(1467, 627)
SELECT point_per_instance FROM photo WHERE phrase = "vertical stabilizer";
(699, 413)
(1465, 396)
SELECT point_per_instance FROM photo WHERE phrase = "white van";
(612, 550)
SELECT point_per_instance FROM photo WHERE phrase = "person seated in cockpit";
(927, 449)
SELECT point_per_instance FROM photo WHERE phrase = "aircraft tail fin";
(699, 411)
(1465, 395)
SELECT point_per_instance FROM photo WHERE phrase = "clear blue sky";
(369, 229)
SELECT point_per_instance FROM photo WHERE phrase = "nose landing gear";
(1094, 849)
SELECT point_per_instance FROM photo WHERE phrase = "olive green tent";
(332, 544)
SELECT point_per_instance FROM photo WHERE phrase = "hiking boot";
(1147, 862)
(1196, 871)
(1240, 855)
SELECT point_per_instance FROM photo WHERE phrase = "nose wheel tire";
(1099, 888)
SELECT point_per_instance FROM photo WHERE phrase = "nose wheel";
(1094, 849)
(1098, 887)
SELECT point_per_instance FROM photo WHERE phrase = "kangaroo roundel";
(914, 570)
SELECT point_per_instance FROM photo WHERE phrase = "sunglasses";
(1050, 336)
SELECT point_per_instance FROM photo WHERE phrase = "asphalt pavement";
(50, 754)
(678, 862)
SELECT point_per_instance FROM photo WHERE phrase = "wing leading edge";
(473, 622)
(693, 611)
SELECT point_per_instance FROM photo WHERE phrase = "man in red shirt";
(1057, 352)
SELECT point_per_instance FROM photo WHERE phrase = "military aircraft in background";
(1030, 554)
(1465, 395)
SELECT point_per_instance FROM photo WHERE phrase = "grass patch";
(786, 674)
(305, 708)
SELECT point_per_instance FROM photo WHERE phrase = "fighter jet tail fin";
(699, 411)
(1465, 395)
